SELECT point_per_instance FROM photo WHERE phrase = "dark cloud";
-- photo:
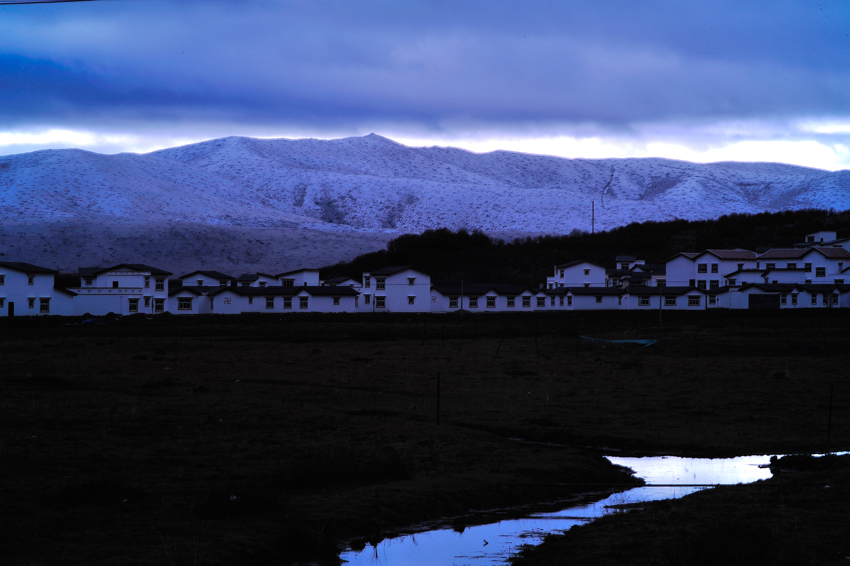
(427, 64)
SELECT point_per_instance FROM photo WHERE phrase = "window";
(31, 280)
(262, 283)
(356, 301)
(702, 268)
(770, 266)
(692, 282)
(562, 274)
(287, 302)
(569, 300)
(473, 302)
(839, 281)
(244, 284)
(620, 300)
(662, 283)
(808, 281)
(287, 282)
(793, 299)
(587, 284)
(367, 299)
(712, 300)
(222, 283)
(624, 266)
(269, 302)
(2, 302)
(810, 238)
(561, 301)
(526, 301)
(643, 301)
(212, 304)
(701, 284)
(598, 298)
(31, 303)
(368, 283)
(302, 304)
(380, 284)
(134, 305)
(694, 300)
(491, 302)
(511, 302)
(669, 301)
(411, 300)
(807, 267)
(552, 301)
(587, 272)
(452, 302)
(44, 306)
(184, 304)
(336, 300)
(147, 282)
(250, 300)
(2, 279)
(791, 265)
(551, 286)
(90, 281)
(200, 282)
(825, 299)
(160, 284)
(820, 272)
(740, 266)
(814, 299)
(714, 284)
(410, 280)
(730, 282)
(541, 302)
(784, 299)
(115, 284)
(159, 305)
(714, 268)
(380, 302)
(147, 302)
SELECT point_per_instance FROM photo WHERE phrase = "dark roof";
(590, 290)
(280, 291)
(837, 253)
(90, 271)
(392, 270)
(254, 276)
(797, 253)
(575, 262)
(748, 270)
(628, 258)
(27, 268)
(683, 290)
(64, 290)
(689, 255)
(338, 280)
(736, 253)
(194, 289)
(476, 289)
(295, 271)
(214, 274)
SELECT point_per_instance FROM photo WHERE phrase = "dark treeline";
(476, 257)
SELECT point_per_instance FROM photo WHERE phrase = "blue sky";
(702, 81)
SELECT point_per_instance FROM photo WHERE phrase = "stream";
(667, 477)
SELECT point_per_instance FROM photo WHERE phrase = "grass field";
(258, 439)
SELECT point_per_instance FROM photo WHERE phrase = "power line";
(16, 3)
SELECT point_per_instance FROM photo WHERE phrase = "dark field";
(268, 439)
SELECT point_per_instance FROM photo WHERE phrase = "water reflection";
(668, 477)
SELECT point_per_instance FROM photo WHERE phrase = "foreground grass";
(231, 440)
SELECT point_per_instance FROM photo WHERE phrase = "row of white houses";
(809, 275)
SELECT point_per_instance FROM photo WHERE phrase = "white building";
(128, 288)
(30, 290)
(707, 269)
(816, 265)
(299, 278)
(209, 279)
(280, 299)
(257, 280)
(452, 296)
(578, 273)
(396, 289)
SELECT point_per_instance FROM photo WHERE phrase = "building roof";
(642, 290)
(337, 280)
(476, 289)
(391, 270)
(278, 291)
(194, 289)
(92, 271)
(214, 274)
(575, 262)
(254, 276)
(736, 253)
(797, 253)
(27, 268)
(689, 255)
(595, 291)
(293, 272)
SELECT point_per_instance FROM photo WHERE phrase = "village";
(811, 274)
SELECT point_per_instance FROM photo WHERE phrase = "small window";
(587, 272)
(820, 272)
(694, 300)
(31, 303)
(147, 282)
(714, 268)
(825, 299)
(783, 300)
(411, 280)
(643, 301)
(212, 304)
(598, 298)
(712, 300)
(184, 304)
(336, 301)
(222, 283)
(587, 284)
(287, 302)
(380, 284)
(791, 265)
(511, 302)
(473, 302)
(368, 283)
(551, 285)
(380, 302)
(269, 302)
(794, 299)
(570, 301)
(115, 284)
(367, 299)
(701, 284)
(302, 304)
(31, 280)
(159, 305)
(134, 305)
(2, 302)
(740, 266)
(702, 268)
(2, 279)
(44, 306)
(491, 302)
(562, 274)
(147, 302)
(620, 300)
(160, 284)
(526, 301)
(250, 300)
(262, 283)
(814, 299)
(839, 281)
(714, 284)
(287, 282)
(200, 282)
(807, 267)
(669, 301)
(624, 266)
(730, 282)
(452, 302)
(770, 266)
(541, 302)
(552, 301)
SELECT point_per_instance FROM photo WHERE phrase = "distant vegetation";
(476, 257)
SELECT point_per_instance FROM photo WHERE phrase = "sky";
(694, 80)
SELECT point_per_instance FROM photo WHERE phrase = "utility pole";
(593, 217)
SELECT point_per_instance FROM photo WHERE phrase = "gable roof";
(476, 289)
(736, 253)
(797, 253)
(293, 272)
(214, 274)
(391, 270)
(576, 262)
(338, 280)
(254, 276)
(27, 268)
(279, 291)
(91, 271)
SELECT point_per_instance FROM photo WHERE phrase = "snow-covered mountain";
(311, 202)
